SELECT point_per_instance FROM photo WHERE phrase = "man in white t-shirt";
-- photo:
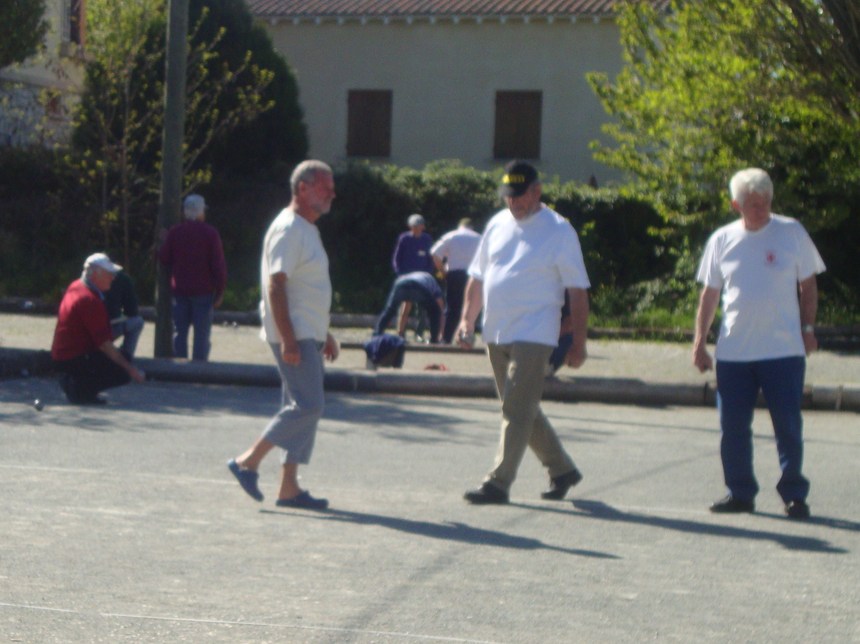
(296, 298)
(527, 258)
(452, 254)
(765, 265)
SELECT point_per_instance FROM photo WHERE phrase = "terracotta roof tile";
(431, 8)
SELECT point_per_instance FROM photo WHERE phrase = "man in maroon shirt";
(194, 253)
(83, 350)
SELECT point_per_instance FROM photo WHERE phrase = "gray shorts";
(294, 427)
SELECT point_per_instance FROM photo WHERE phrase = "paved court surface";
(616, 370)
(122, 524)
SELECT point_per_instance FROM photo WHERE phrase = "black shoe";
(486, 494)
(731, 505)
(797, 509)
(93, 400)
(69, 387)
(559, 485)
(76, 398)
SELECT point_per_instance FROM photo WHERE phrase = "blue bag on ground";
(385, 350)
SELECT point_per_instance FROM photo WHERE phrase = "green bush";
(641, 277)
(618, 233)
(372, 205)
(45, 232)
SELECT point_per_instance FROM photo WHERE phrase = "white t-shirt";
(758, 272)
(457, 247)
(525, 267)
(293, 246)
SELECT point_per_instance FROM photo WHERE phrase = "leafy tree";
(710, 87)
(826, 42)
(276, 136)
(117, 138)
(22, 30)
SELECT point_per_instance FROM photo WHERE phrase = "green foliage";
(22, 30)
(618, 233)
(241, 208)
(278, 134)
(708, 89)
(374, 201)
(369, 212)
(117, 139)
(44, 231)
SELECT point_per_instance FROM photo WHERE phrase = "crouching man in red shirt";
(83, 349)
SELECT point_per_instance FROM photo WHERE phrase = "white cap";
(102, 261)
(194, 206)
(415, 220)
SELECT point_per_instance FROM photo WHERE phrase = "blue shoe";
(247, 479)
(304, 501)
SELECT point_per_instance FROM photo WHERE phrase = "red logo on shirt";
(770, 258)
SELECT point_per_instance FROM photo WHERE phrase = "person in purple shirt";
(412, 251)
(194, 254)
(412, 254)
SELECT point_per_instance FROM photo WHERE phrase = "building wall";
(23, 115)
(444, 77)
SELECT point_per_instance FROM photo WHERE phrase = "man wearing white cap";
(83, 350)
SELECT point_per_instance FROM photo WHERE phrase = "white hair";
(750, 181)
(307, 172)
(194, 206)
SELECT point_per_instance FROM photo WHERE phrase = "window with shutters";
(518, 125)
(369, 123)
(73, 27)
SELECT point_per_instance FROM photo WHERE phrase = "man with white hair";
(83, 350)
(411, 254)
(198, 274)
(294, 310)
(764, 265)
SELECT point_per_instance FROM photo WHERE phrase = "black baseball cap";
(518, 176)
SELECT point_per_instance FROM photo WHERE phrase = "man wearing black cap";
(528, 257)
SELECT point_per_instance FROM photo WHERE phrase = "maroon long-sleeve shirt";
(195, 255)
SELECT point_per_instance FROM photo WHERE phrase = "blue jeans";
(412, 293)
(196, 311)
(781, 383)
(130, 330)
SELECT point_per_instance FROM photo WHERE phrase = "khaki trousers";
(519, 370)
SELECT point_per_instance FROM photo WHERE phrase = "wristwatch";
(807, 328)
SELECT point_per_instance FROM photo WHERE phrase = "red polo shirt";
(82, 323)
